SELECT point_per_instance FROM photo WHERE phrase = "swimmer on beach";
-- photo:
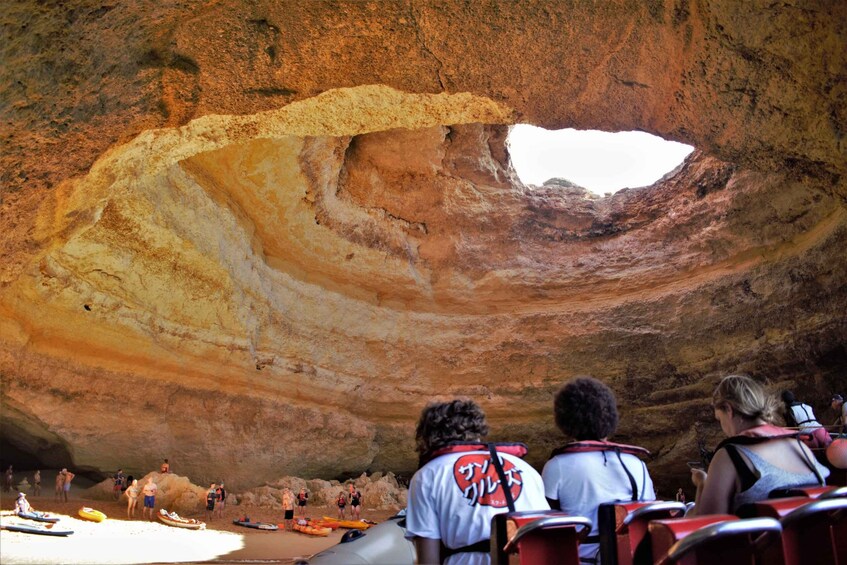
(211, 498)
(36, 483)
(131, 499)
(355, 503)
(288, 507)
(221, 500)
(60, 484)
(149, 491)
(302, 498)
(66, 489)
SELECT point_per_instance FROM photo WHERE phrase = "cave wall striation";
(257, 239)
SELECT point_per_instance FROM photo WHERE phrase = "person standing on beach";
(149, 491)
(119, 478)
(302, 498)
(211, 497)
(60, 484)
(355, 503)
(166, 467)
(131, 499)
(8, 479)
(288, 507)
(36, 483)
(341, 501)
(66, 489)
(221, 500)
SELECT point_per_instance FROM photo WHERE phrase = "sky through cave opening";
(600, 161)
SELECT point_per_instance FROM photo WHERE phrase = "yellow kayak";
(91, 514)
(349, 524)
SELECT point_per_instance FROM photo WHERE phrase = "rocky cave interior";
(258, 280)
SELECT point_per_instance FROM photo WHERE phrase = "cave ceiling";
(256, 238)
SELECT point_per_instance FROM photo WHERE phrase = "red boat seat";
(624, 538)
(537, 538)
(719, 539)
(808, 492)
(816, 532)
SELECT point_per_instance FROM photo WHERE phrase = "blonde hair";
(747, 398)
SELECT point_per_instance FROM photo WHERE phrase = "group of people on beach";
(354, 498)
(462, 481)
(131, 489)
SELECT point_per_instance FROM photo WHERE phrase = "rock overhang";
(393, 257)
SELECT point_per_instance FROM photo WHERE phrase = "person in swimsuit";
(288, 508)
(66, 489)
(118, 479)
(355, 503)
(739, 474)
(60, 484)
(36, 483)
(302, 499)
(211, 497)
(341, 501)
(149, 491)
(221, 500)
(8, 479)
(131, 499)
(166, 467)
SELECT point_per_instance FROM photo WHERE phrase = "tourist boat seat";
(623, 529)
(816, 532)
(809, 492)
(537, 538)
(719, 539)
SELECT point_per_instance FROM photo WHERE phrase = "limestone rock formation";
(379, 492)
(175, 493)
(258, 238)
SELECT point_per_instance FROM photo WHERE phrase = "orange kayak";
(311, 530)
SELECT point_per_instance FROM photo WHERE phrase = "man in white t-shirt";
(579, 482)
(457, 490)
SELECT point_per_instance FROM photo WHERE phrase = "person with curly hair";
(758, 457)
(583, 475)
(459, 488)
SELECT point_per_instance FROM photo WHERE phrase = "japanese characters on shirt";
(477, 478)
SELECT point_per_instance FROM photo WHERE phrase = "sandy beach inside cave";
(118, 540)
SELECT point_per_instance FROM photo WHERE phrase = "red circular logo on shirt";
(477, 478)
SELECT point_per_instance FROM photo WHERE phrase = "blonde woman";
(131, 499)
(757, 458)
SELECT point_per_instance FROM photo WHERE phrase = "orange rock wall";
(258, 239)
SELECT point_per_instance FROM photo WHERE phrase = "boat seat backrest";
(532, 538)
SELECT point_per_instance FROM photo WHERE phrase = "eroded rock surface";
(257, 240)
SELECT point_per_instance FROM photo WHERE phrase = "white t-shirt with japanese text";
(581, 482)
(454, 497)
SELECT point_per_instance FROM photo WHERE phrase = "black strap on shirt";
(748, 478)
(629, 476)
(507, 490)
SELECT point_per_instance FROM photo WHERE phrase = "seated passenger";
(757, 458)
(583, 475)
(457, 490)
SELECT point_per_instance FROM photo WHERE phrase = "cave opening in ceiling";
(602, 162)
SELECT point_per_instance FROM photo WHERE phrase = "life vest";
(589, 445)
(761, 434)
(517, 449)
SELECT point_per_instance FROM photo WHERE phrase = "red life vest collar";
(516, 449)
(759, 434)
(595, 445)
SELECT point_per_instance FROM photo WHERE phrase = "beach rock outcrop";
(379, 492)
(175, 494)
(260, 238)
